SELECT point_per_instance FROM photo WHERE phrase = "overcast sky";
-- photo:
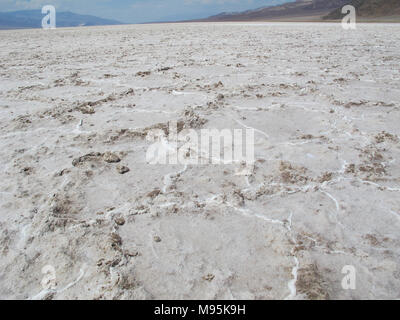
(136, 11)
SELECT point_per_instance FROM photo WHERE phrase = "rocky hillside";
(370, 8)
(300, 8)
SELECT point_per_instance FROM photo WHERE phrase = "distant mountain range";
(33, 19)
(300, 10)
(312, 10)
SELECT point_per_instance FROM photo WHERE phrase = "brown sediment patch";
(355, 104)
(153, 194)
(292, 174)
(385, 136)
(189, 120)
(93, 156)
(310, 282)
(373, 166)
(376, 240)
(108, 157)
(327, 176)
(88, 106)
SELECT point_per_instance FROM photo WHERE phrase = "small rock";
(122, 169)
(27, 170)
(209, 277)
(88, 157)
(110, 157)
(157, 239)
(49, 296)
(131, 253)
(87, 109)
(153, 194)
(100, 262)
(116, 239)
(64, 171)
(119, 221)
(115, 262)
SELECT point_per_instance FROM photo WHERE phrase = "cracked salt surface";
(321, 194)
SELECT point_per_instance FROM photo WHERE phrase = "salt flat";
(323, 193)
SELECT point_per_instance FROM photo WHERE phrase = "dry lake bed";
(84, 216)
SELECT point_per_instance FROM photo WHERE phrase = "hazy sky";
(141, 10)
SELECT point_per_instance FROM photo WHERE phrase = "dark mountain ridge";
(313, 10)
(370, 8)
(300, 8)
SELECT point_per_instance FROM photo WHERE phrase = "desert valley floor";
(323, 194)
